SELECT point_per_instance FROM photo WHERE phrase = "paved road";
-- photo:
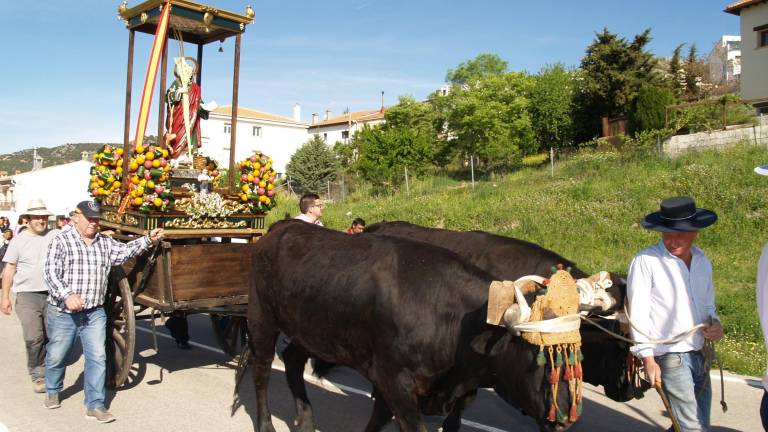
(192, 391)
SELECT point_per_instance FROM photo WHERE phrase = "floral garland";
(107, 172)
(257, 182)
(149, 188)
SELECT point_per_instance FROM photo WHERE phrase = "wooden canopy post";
(233, 120)
(161, 99)
(200, 65)
(127, 127)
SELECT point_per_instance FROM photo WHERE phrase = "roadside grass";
(589, 212)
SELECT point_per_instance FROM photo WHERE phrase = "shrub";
(648, 112)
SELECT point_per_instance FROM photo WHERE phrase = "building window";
(345, 134)
(762, 38)
(325, 137)
(257, 131)
(227, 128)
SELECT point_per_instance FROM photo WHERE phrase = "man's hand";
(652, 370)
(74, 303)
(713, 332)
(5, 306)
(156, 234)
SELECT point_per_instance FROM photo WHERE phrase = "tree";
(693, 70)
(649, 108)
(484, 65)
(676, 72)
(612, 72)
(490, 120)
(312, 166)
(386, 152)
(551, 106)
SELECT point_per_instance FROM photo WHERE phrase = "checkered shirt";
(72, 267)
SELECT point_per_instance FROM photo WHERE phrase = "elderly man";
(670, 291)
(76, 271)
(23, 272)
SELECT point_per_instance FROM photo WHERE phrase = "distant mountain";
(22, 160)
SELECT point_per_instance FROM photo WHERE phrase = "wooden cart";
(197, 268)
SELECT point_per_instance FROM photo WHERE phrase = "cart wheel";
(121, 332)
(230, 333)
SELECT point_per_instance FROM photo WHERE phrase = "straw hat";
(36, 207)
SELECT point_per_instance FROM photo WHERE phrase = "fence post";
(472, 168)
(342, 190)
(329, 189)
(407, 186)
(551, 161)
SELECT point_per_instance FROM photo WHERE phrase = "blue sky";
(62, 73)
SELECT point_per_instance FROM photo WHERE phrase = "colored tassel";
(561, 418)
(580, 355)
(577, 373)
(559, 358)
(568, 373)
(573, 415)
(540, 359)
(552, 413)
(553, 375)
(579, 407)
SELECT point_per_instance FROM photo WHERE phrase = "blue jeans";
(686, 382)
(63, 328)
(764, 411)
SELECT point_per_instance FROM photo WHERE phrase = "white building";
(277, 136)
(725, 59)
(343, 127)
(754, 50)
(60, 186)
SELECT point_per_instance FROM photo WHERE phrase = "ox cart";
(202, 264)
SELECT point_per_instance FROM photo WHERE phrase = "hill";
(22, 160)
(589, 212)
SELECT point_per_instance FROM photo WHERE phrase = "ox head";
(540, 372)
(602, 293)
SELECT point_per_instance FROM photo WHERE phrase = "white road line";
(329, 385)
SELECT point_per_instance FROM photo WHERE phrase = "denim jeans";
(63, 328)
(764, 411)
(31, 310)
(685, 380)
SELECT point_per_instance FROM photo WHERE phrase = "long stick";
(667, 406)
(149, 81)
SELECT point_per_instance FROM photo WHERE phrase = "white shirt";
(762, 299)
(306, 218)
(666, 298)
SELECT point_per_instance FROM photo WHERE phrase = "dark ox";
(605, 358)
(407, 315)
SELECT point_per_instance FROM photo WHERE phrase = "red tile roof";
(259, 115)
(357, 116)
(736, 7)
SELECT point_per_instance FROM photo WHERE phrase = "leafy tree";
(484, 65)
(694, 74)
(386, 152)
(612, 71)
(676, 72)
(491, 120)
(551, 106)
(649, 108)
(312, 166)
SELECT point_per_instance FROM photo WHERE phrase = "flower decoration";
(149, 188)
(107, 172)
(256, 184)
(213, 170)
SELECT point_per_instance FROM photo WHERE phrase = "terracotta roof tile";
(736, 7)
(259, 115)
(357, 116)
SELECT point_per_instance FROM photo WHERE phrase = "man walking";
(23, 272)
(76, 272)
(670, 291)
(311, 209)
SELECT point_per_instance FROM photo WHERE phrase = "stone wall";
(757, 135)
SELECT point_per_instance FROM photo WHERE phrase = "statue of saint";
(185, 109)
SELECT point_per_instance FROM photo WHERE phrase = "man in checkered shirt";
(76, 271)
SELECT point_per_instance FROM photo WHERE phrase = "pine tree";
(693, 74)
(677, 75)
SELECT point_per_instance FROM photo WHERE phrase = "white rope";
(590, 292)
(561, 324)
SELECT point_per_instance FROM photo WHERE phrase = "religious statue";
(185, 109)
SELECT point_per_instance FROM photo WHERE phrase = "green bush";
(648, 110)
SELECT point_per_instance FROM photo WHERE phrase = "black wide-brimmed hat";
(679, 214)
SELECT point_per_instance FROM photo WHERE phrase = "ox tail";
(244, 359)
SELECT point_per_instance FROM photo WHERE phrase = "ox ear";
(491, 342)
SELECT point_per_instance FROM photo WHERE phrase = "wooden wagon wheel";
(230, 333)
(121, 329)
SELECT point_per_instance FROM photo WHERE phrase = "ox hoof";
(265, 427)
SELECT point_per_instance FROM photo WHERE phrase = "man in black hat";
(76, 271)
(670, 292)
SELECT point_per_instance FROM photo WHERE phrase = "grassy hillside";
(589, 212)
(22, 159)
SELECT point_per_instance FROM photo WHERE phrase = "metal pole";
(551, 161)
(127, 127)
(407, 186)
(328, 187)
(472, 169)
(233, 120)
